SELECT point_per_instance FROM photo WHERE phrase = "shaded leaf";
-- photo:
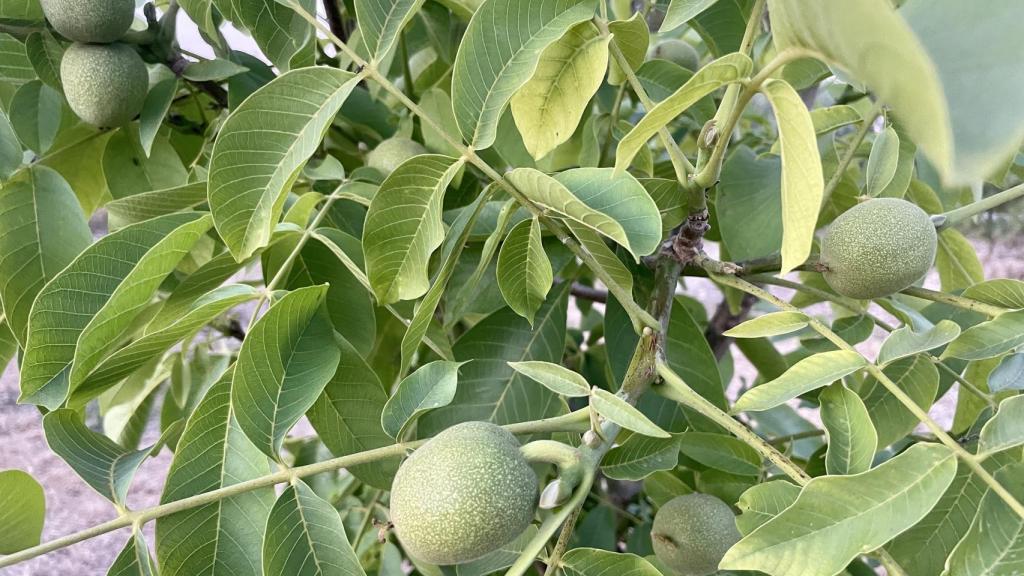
(35, 113)
(852, 439)
(640, 456)
(957, 261)
(915, 375)
(154, 110)
(22, 511)
(882, 161)
(381, 23)
(593, 562)
(1005, 429)
(499, 559)
(905, 341)
(680, 12)
(721, 452)
(133, 560)
(1009, 375)
(432, 386)
(619, 411)
(765, 501)
(993, 543)
(632, 38)
(989, 339)
(554, 377)
(524, 271)
(45, 53)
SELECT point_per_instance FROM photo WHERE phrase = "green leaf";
(548, 108)
(489, 389)
(957, 261)
(803, 183)
(128, 171)
(45, 54)
(212, 70)
(155, 342)
(853, 515)
(721, 452)
(499, 559)
(8, 344)
(403, 227)
(347, 416)
(1003, 292)
(617, 207)
(21, 10)
(882, 161)
(278, 30)
(593, 562)
(1009, 375)
(595, 244)
(44, 230)
(680, 12)
(661, 487)
(262, 147)
(381, 22)
(1005, 429)
(22, 511)
(206, 278)
(524, 271)
(852, 439)
(154, 110)
(905, 341)
(432, 386)
(35, 114)
(147, 205)
(284, 364)
(771, 324)
(554, 377)
(808, 374)
(499, 54)
(619, 411)
(11, 154)
(640, 456)
(690, 356)
(915, 375)
(15, 67)
(102, 464)
(632, 38)
(748, 205)
(68, 337)
(127, 406)
(989, 339)
(305, 537)
(762, 502)
(993, 543)
(133, 560)
(716, 74)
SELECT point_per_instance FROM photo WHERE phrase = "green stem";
(778, 440)
(366, 519)
(963, 213)
(613, 121)
(851, 152)
(554, 559)
(956, 301)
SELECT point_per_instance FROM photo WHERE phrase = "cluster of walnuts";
(105, 81)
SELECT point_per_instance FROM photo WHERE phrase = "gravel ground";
(72, 506)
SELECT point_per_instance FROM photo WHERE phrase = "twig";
(851, 152)
(588, 293)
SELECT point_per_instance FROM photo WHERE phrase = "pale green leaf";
(499, 559)
(803, 183)
(35, 114)
(1009, 375)
(767, 325)
(640, 456)
(262, 147)
(524, 271)
(853, 515)
(808, 374)
(632, 38)
(44, 230)
(918, 377)
(619, 411)
(957, 261)
(15, 67)
(617, 207)
(597, 247)
(147, 205)
(381, 22)
(45, 53)
(680, 12)
(126, 407)
(499, 54)
(403, 227)
(217, 70)
(154, 110)
(285, 362)
(112, 281)
(347, 414)
(989, 339)
(76, 154)
(11, 154)
(995, 540)
(594, 562)
(102, 464)
(432, 386)
(882, 162)
(133, 560)
(201, 12)
(663, 486)
(22, 511)
(762, 502)
(852, 439)
(548, 108)
(721, 452)
(305, 537)
(128, 171)
(905, 341)
(278, 30)
(727, 69)
(1002, 292)
(554, 377)
(1005, 429)
(21, 10)
(192, 287)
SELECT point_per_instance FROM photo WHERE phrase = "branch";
(722, 321)
(588, 293)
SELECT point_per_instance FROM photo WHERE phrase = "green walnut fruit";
(679, 52)
(692, 533)
(105, 84)
(390, 153)
(878, 248)
(465, 493)
(97, 21)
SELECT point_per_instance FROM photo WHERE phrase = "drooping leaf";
(68, 337)
(852, 439)
(989, 339)
(957, 261)
(716, 74)
(44, 230)
(619, 411)
(640, 456)
(803, 183)
(721, 452)
(262, 147)
(854, 514)
(764, 501)
(632, 38)
(593, 562)
(767, 325)
(499, 53)
(133, 560)
(906, 342)
(380, 23)
(305, 537)
(282, 34)
(154, 111)
(1006, 429)
(102, 464)
(808, 374)
(430, 387)
(548, 108)
(882, 162)
(748, 205)
(22, 511)
(614, 206)
(403, 227)
(35, 113)
(524, 271)
(285, 362)
(690, 356)
(554, 377)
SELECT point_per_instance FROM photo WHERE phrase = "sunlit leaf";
(988, 339)
(554, 377)
(1006, 429)
(429, 387)
(619, 411)
(905, 341)
(771, 324)
(721, 452)
(808, 374)
(524, 271)
(918, 377)
(852, 439)
(640, 456)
